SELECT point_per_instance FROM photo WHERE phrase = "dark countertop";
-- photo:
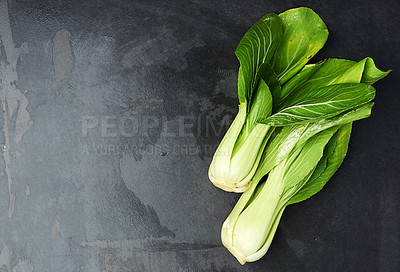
(110, 114)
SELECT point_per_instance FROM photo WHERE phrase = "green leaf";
(299, 80)
(324, 102)
(261, 107)
(303, 165)
(329, 72)
(268, 75)
(363, 71)
(334, 154)
(279, 146)
(293, 137)
(304, 34)
(352, 115)
(256, 47)
(262, 101)
(315, 76)
(371, 73)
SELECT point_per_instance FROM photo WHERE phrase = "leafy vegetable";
(260, 54)
(293, 127)
(245, 232)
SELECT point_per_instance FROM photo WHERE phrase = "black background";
(180, 56)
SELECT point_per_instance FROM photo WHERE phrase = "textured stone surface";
(111, 111)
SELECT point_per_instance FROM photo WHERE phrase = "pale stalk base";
(228, 187)
(241, 259)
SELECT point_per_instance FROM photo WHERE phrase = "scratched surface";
(111, 111)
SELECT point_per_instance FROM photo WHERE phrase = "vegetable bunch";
(293, 126)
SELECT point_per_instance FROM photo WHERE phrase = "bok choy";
(271, 52)
(293, 127)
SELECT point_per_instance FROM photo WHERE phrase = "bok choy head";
(248, 231)
(270, 53)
